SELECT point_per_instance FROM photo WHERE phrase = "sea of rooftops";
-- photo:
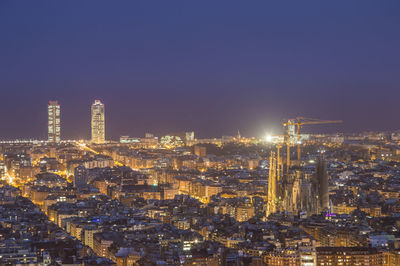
(129, 205)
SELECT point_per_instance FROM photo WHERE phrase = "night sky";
(214, 67)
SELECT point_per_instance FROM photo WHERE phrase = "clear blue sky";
(209, 66)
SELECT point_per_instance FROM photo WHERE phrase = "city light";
(268, 138)
(245, 133)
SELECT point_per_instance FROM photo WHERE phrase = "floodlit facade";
(53, 127)
(98, 122)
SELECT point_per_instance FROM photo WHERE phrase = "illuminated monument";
(98, 122)
(272, 185)
(298, 189)
(305, 191)
(53, 126)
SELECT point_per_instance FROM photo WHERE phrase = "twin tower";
(97, 122)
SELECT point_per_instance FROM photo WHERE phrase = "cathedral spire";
(272, 185)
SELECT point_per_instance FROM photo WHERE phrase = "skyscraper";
(98, 122)
(53, 127)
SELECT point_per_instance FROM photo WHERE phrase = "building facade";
(80, 176)
(53, 127)
(98, 122)
(348, 256)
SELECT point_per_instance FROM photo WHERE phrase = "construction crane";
(293, 132)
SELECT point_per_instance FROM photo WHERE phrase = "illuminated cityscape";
(332, 200)
(237, 133)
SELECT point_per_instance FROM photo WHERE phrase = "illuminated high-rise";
(53, 127)
(98, 122)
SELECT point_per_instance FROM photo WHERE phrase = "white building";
(98, 122)
(53, 111)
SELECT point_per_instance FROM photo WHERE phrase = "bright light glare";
(268, 138)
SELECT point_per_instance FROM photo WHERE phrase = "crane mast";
(293, 133)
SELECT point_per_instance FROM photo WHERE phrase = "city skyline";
(246, 69)
(85, 128)
(235, 133)
(97, 127)
(54, 122)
